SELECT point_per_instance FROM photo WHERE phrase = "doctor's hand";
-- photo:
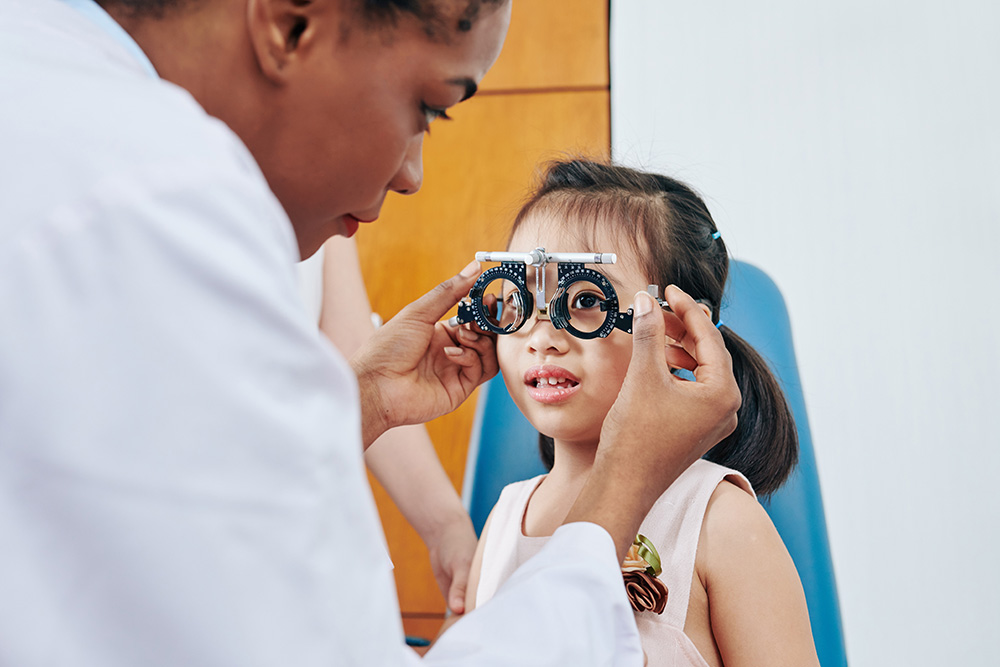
(660, 424)
(415, 367)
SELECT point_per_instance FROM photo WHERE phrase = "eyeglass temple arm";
(624, 319)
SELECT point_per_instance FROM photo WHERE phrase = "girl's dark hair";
(670, 229)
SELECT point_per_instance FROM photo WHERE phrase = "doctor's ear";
(281, 32)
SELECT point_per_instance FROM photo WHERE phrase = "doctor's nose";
(410, 177)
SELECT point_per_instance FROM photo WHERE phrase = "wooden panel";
(553, 44)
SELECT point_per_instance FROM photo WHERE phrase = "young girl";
(725, 591)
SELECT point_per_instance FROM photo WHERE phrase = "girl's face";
(565, 385)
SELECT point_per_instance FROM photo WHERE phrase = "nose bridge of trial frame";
(538, 258)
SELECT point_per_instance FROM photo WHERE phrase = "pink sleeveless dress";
(673, 525)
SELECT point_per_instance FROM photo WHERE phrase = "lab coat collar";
(96, 14)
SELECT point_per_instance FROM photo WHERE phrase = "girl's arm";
(470, 591)
(477, 566)
(405, 463)
(403, 460)
(756, 604)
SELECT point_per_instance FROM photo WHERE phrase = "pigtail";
(764, 446)
(547, 451)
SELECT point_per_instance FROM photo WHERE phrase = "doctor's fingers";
(433, 305)
(483, 343)
(699, 337)
(471, 370)
(479, 359)
(677, 357)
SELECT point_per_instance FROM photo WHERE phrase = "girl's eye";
(586, 301)
(432, 114)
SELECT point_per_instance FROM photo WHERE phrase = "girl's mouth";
(550, 384)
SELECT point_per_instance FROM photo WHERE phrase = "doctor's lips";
(352, 223)
(550, 384)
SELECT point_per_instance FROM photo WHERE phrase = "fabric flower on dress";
(641, 570)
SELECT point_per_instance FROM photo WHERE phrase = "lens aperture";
(585, 304)
(503, 305)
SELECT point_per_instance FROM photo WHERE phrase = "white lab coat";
(181, 475)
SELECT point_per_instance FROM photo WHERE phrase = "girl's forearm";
(404, 461)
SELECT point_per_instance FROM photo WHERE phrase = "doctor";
(181, 477)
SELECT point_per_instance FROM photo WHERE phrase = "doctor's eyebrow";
(469, 84)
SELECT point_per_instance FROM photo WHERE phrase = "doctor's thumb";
(648, 337)
(432, 306)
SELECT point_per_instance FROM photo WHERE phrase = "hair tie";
(719, 324)
(716, 235)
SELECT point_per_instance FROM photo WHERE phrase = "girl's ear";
(281, 33)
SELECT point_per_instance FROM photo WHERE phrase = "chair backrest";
(504, 449)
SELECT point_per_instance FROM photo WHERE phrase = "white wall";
(852, 150)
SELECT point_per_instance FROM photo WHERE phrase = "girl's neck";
(573, 461)
(551, 502)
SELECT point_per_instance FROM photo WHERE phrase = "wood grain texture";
(553, 44)
(477, 170)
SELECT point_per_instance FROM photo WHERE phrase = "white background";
(851, 149)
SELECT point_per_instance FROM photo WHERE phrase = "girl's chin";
(572, 437)
(562, 422)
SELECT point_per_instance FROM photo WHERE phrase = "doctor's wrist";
(375, 417)
(616, 498)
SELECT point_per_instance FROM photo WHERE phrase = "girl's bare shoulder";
(734, 527)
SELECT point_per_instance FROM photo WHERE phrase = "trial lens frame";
(571, 270)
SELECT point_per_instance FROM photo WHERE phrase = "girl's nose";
(545, 338)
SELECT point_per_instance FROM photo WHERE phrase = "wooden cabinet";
(548, 95)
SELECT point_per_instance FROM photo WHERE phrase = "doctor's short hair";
(431, 13)
(375, 13)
